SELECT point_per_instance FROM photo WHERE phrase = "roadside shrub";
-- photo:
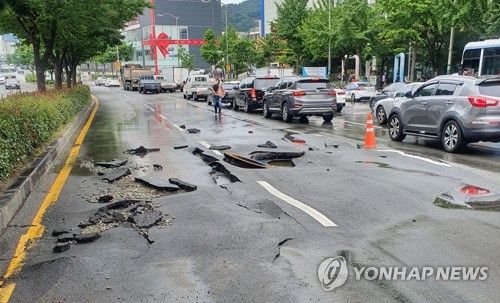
(31, 120)
(30, 78)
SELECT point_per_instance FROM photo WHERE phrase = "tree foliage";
(185, 58)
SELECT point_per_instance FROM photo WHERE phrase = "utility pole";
(450, 49)
(329, 38)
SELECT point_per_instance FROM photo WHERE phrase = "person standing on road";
(217, 93)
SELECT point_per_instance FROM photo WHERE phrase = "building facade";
(7, 45)
(157, 33)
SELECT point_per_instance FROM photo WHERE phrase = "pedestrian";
(217, 94)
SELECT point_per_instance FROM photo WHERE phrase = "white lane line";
(305, 208)
(205, 144)
(416, 157)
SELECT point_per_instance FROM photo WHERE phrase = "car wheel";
(328, 118)
(353, 98)
(381, 116)
(235, 106)
(339, 109)
(209, 101)
(372, 103)
(248, 106)
(265, 110)
(396, 129)
(285, 113)
(195, 97)
(452, 138)
(184, 96)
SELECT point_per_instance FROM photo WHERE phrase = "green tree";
(210, 50)
(23, 55)
(291, 14)
(185, 58)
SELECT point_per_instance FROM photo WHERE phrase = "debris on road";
(180, 146)
(116, 175)
(292, 139)
(268, 144)
(157, 167)
(331, 145)
(219, 170)
(182, 184)
(206, 158)
(469, 197)
(241, 161)
(219, 147)
(182, 126)
(60, 247)
(266, 155)
(158, 183)
(193, 130)
(112, 164)
(105, 198)
(141, 150)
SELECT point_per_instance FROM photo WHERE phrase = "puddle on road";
(281, 163)
(380, 164)
(469, 197)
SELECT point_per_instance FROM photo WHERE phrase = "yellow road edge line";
(36, 230)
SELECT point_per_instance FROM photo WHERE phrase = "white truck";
(173, 77)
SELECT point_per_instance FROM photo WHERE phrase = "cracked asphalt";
(259, 238)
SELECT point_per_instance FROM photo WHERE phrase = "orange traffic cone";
(370, 133)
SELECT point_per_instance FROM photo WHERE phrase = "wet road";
(260, 239)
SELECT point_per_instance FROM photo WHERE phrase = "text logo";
(332, 273)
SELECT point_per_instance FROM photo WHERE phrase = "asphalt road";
(262, 238)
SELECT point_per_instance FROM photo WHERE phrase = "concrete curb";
(15, 195)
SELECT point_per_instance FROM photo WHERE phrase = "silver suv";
(299, 97)
(455, 109)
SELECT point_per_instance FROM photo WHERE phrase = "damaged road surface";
(163, 201)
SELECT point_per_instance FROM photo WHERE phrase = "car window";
(263, 84)
(490, 88)
(446, 89)
(365, 84)
(313, 84)
(200, 79)
(228, 86)
(425, 90)
(283, 84)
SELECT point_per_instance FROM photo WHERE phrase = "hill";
(242, 16)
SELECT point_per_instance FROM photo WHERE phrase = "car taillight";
(332, 92)
(298, 93)
(341, 93)
(252, 93)
(483, 101)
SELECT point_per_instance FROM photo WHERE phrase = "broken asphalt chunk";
(66, 237)
(241, 161)
(268, 144)
(219, 147)
(60, 247)
(158, 183)
(86, 238)
(182, 184)
(193, 130)
(147, 219)
(206, 158)
(116, 174)
(180, 146)
(105, 198)
(112, 164)
(58, 232)
(217, 167)
(266, 155)
(141, 150)
(182, 126)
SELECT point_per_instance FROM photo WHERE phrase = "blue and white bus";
(481, 58)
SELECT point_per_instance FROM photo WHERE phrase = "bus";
(8, 70)
(481, 58)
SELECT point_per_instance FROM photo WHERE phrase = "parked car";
(2, 79)
(12, 83)
(454, 109)
(196, 87)
(383, 106)
(388, 91)
(230, 92)
(340, 97)
(360, 91)
(251, 91)
(112, 82)
(301, 97)
(148, 83)
(100, 81)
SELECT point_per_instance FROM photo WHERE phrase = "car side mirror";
(408, 95)
(391, 95)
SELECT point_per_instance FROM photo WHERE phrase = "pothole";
(220, 174)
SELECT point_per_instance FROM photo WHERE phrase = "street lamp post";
(176, 28)
(142, 42)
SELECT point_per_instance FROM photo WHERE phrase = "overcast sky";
(232, 1)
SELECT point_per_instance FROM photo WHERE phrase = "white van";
(197, 87)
